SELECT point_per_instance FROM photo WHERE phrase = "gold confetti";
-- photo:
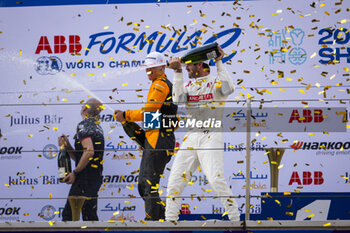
(20, 52)
(116, 213)
(105, 27)
(327, 224)
(290, 213)
(88, 10)
(50, 195)
(30, 135)
(124, 84)
(83, 227)
(278, 202)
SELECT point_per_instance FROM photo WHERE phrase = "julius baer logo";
(155, 120)
(50, 47)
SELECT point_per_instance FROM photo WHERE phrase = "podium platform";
(339, 226)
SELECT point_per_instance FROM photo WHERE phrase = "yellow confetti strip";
(124, 84)
(83, 227)
(143, 222)
(20, 52)
(290, 213)
(327, 224)
(88, 10)
(30, 135)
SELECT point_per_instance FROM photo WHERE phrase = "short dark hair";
(206, 67)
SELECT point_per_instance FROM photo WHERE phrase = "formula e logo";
(48, 212)
(50, 151)
(48, 65)
(151, 120)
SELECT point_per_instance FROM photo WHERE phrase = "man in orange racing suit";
(160, 142)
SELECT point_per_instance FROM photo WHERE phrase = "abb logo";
(59, 44)
(317, 179)
(307, 117)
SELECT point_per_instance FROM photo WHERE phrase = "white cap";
(154, 59)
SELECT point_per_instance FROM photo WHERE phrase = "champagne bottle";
(64, 164)
(135, 132)
(201, 54)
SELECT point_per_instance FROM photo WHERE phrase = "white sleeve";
(179, 90)
(227, 85)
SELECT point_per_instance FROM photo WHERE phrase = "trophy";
(275, 157)
(76, 203)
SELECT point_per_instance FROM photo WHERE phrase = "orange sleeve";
(157, 93)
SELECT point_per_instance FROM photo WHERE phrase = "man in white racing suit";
(205, 90)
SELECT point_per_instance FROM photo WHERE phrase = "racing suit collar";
(163, 76)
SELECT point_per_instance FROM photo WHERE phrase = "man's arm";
(226, 84)
(179, 90)
(85, 158)
(157, 94)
